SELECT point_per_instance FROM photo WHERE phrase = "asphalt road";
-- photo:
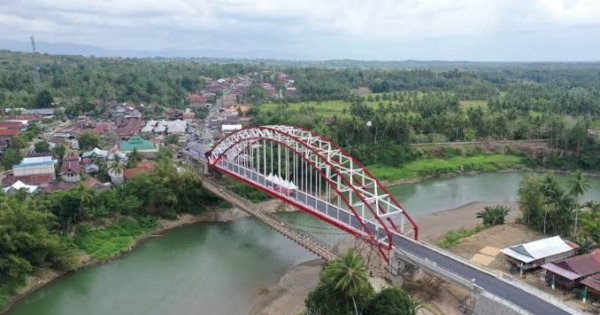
(489, 283)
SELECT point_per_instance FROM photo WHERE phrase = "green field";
(105, 243)
(596, 124)
(340, 108)
(326, 108)
(432, 167)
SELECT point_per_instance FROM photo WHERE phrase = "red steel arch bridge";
(310, 172)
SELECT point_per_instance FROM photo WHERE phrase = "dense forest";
(166, 81)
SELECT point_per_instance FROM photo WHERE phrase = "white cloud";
(280, 25)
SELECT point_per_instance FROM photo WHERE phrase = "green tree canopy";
(393, 301)
(88, 140)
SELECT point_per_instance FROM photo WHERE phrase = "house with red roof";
(569, 272)
(593, 285)
(143, 167)
(9, 129)
(70, 168)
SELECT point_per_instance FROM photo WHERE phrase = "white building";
(536, 253)
(18, 185)
(35, 166)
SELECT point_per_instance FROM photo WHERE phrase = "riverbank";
(287, 296)
(414, 180)
(44, 277)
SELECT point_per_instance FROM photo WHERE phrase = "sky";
(477, 30)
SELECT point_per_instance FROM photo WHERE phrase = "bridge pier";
(403, 269)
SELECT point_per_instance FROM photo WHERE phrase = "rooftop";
(535, 250)
(136, 143)
(577, 267)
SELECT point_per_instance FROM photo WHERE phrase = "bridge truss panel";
(312, 173)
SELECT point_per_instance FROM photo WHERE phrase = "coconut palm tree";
(115, 167)
(348, 274)
(578, 186)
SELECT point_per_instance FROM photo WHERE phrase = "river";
(220, 268)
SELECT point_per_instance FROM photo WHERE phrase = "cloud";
(284, 28)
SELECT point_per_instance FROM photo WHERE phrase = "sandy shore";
(287, 296)
(435, 225)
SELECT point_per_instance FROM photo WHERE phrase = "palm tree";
(348, 274)
(116, 167)
(579, 185)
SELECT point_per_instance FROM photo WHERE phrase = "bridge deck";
(443, 264)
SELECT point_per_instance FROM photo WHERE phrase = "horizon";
(453, 30)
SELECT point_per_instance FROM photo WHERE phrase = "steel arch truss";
(341, 192)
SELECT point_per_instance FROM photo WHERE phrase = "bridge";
(313, 174)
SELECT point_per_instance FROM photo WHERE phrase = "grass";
(325, 109)
(108, 242)
(432, 167)
(454, 237)
(596, 124)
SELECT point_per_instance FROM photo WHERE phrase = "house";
(196, 100)
(43, 112)
(226, 129)
(129, 127)
(143, 167)
(70, 168)
(33, 166)
(268, 87)
(593, 285)
(6, 135)
(95, 153)
(569, 272)
(290, 91)
(94, 183)
(91, 168)
(188, 114)
(534, 254)
(137, 143)
(18, 185)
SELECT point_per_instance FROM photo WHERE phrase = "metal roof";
(535, 250)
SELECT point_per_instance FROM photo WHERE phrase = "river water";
(220, 268)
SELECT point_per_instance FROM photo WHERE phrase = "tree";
(530, 200)
(88, 140)
(393, 301)
(59, 150)
(171, 139)
(115, 166)
(492, 215)
(41, 146)
(134, 158)
(348, 274)
(578, 186)
(10, 157)
(343, 288)
(43, 100)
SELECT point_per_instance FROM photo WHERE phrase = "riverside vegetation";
(55, 230)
